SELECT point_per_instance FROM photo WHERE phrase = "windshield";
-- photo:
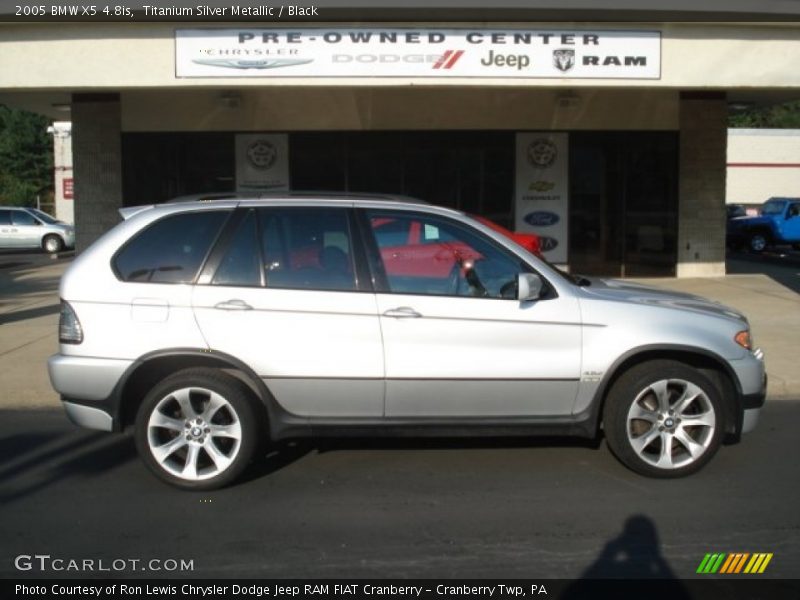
(44, 216)
(773, 207)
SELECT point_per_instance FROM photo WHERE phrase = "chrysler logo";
(259, 63)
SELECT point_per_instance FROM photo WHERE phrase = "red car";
(529, 241)
(414, 249)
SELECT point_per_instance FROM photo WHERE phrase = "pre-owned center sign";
(357, 52)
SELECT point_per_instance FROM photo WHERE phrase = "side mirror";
(529, 286)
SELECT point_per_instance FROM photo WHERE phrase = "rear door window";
(170, 250)
(307, 248)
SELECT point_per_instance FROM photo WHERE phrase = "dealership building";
(606, 136)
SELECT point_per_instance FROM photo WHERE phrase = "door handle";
(234, 304)
(402, 312)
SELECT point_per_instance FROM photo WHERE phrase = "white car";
(211, 327)
(27, 228)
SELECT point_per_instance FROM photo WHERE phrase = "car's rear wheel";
(52, 244)
(198, 429)
(663, 419)
(758, 241)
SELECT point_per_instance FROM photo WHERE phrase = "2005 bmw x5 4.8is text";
(212, 327)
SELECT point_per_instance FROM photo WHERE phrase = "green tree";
(780, 116)
(26, 157)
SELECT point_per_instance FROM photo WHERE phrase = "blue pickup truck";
(778, 223)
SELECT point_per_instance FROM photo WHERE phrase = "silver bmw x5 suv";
(210, 328)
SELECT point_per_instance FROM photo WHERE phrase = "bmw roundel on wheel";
(210, 329)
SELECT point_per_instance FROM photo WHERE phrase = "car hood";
(636, 293)
(748, 221)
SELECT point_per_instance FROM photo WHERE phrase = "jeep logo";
(518, 61)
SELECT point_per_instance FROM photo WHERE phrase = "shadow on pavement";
(38, 460)
(30, 313)
(282, 454)
(634, 554)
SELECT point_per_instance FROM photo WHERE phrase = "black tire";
(796, 246)
(52, 243)
(636, 425)
(217, 402)
(757, 241)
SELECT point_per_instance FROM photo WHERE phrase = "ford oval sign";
(542, 218)
(547, 243)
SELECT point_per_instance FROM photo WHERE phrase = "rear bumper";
(85, 378)
(86, 386)
(88, 416)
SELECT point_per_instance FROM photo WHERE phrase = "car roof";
(229, 199)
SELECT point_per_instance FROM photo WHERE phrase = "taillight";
(69, 327)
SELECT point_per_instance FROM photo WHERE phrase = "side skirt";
(288, 427)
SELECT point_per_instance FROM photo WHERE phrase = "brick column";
(97, 165)
(701, 186)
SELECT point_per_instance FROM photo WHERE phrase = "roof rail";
(211, 196)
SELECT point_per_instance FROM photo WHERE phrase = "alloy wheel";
(671, 423)
(194, 433)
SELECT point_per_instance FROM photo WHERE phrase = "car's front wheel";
(758, 241)
(52, 244)
(198, 429)
(663, 419)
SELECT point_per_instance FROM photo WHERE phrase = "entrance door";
(623, 203)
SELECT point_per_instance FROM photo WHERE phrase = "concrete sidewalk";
(29, 308)
(29, 321)
(774, 313)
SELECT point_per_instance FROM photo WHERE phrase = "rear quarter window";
(171, 250)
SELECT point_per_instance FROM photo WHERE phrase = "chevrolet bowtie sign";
(421, 52)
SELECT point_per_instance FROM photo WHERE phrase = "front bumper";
(753, 380)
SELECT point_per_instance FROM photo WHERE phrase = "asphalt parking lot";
(443, 508)
(377, 508)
